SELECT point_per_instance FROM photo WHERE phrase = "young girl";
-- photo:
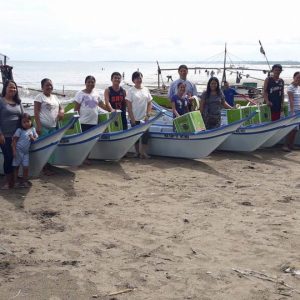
(180, 101)
(21, 144)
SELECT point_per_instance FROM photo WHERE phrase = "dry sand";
(156, 229)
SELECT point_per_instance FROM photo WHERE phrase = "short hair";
(279, 66)
(182, 67)
(115, 74)
(89, 77)
(136, 75)
(43, 82)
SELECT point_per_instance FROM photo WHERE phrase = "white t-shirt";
(49, 110)
(139, 99)
(295, 90)
(88, 107)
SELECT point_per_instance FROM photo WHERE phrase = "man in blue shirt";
(190, 90)
(229, 93)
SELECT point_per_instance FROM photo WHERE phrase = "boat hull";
(250, 138)
(74, 149)
(164, 142)
(41, 149)
(113, 146)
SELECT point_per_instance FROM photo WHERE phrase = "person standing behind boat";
(179, 101)
(274, 92)
(211, 104)
(191, 89)
(87, 103)
(139, 105)
(293, 92)
(229, 93)
(10, 115)
(115, 97)
(47, 109)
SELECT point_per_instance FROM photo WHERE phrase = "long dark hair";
(208, 90)
(16, 97)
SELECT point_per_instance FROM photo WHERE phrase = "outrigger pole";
(262, 51)
(224, 68)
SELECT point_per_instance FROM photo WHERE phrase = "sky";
(165, 30)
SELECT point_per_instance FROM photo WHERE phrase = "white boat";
(250, 138)
(74, 149)
(165, 142)
(276, 138)
(41, 149)
(114, 145)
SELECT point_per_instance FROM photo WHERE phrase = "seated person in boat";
(191, 89)
(139, 103)
(87, 103)
(180, 101)
(211, 104)
(274, 92)
(115, 97)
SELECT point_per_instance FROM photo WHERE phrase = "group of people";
(215, 98)
(17, 131)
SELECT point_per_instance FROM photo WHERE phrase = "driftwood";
(120, 292)
(260, 275)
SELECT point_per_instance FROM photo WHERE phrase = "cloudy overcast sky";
(164, 30)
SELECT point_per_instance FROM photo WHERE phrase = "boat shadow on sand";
(270, 156)
(162, 163)
(62, 179)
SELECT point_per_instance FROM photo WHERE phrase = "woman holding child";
(10, 115)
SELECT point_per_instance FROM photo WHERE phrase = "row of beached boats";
(72, 150)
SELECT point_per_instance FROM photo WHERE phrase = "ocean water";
(70, 75)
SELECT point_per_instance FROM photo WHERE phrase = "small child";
(21, 144)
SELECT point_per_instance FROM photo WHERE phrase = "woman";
(139, 105)
(180, 101)
(293, 92)
(47, 111)
(10, 115)
(115, 97)
(212, 102)
(87, 102)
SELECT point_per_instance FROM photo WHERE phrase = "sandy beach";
(224, 227)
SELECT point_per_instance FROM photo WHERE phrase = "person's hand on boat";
(38, 130)
(2, 139)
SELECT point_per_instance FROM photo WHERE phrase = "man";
(191, 89)
(229, 93)
(274, 92)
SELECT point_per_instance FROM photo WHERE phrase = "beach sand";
(156, 229)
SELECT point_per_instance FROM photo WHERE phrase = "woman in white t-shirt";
(47, 109)
(293, 92)
(139, 103)
(87, 103)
